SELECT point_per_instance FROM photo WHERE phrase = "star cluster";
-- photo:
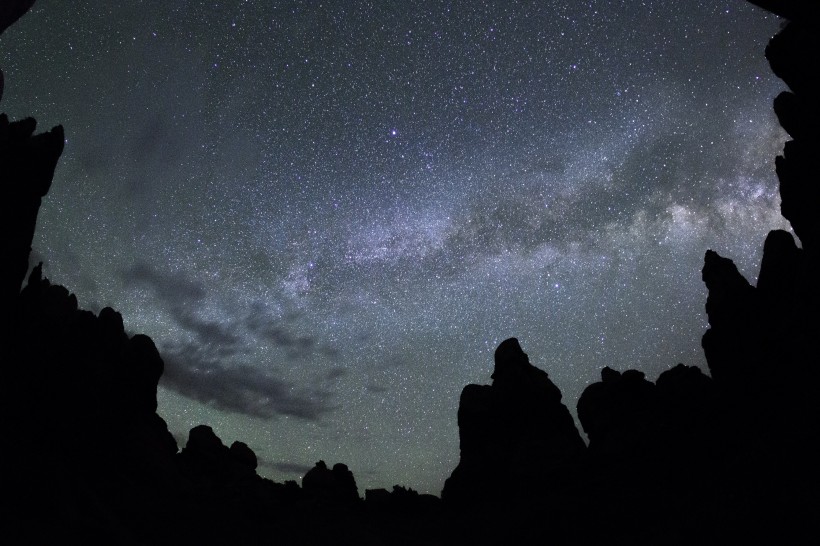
(328, 214)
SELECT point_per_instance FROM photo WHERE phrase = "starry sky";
(328, 214)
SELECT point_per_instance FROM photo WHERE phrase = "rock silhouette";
(11, 10)
(793, 55)
(27, 163)
(619, 414)
(337, 485)
(506, 426)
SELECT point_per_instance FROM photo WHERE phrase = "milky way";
(328, 214)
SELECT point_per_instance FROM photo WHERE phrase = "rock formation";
(11, 10)
(731, 344)
(91, 389)
(515, 435)
(335, 485)
(619, 414)
(761, 339)
(761, 346)
(204, 455)
(27, 163)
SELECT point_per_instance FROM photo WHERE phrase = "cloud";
(178, 292)
(212, 367)
(335, 373)
(172, 288)
(206, 331)
(277, 332)
(195, 372)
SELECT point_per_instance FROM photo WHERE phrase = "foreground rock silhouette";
(516, 436)
(27, 163)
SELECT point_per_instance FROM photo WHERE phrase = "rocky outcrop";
(515, 435)
(762, 338)
(794, 10)
(11, 10)
(646, 453)
(648, 427)
(794, 55)
(27, 163)
(762, 353)
(619, 414)
(731, 345)
(83, 361)
(761, 345)
(686, 401)
(336, 485)
(81, 381)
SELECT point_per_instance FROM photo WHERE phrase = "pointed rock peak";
(509, 359)
(36, 275)
(720, 272)
(608, 374)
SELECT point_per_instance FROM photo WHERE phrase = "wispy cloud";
(278, 333)
(172, 288)
(195, 372)
(212, 366)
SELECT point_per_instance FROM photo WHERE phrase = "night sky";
(328, 214)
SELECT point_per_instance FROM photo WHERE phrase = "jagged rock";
(799, 118)
(402, 501)
(732, 344)
(82, 379)
(686, 402)
(243, 455)
(110, 321)
(794, 55)
(203, 441)
(788, 277)
(647, 451)
(347, 483)
(517, 424)
(318, 478)
(800, 195)
(780, 275)
(730, 294)
(336, 485)
(795, 10)
(755, 329)
(206, 460)
(27, 164)
(618, 413)
(87, 361)
(684, 388)
(11, 10)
